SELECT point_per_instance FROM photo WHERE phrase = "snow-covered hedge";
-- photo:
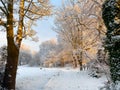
(111, 86)
(98, 69)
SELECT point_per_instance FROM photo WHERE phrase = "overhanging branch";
(6, 10)
(28, 7)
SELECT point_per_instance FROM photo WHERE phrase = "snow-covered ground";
(34, 78)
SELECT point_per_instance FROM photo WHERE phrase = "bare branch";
(32, 18)
(28, 7)
(6, 10)
(3, 10)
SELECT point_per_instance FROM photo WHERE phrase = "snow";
(116, 38)
(34, 78)
(9, 75)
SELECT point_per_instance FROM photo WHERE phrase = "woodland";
(88, 40)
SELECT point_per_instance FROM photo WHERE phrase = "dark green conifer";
(111, 17)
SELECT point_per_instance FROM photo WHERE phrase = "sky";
(45, 25)
(43, 29)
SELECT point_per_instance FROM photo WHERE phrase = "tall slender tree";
(111, 17)
(32, 10)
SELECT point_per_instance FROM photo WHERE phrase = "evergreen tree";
(111, 17)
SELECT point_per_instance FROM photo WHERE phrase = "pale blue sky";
(43, 28)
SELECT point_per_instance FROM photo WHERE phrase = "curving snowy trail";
(31, 78)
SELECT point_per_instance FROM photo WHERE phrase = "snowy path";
(29, 78)
(70, 80)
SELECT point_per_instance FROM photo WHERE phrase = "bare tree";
(75, 22)
(32, 10)
(45, 49)
(25, 57)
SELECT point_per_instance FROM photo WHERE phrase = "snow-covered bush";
(3, 57)
(94, 69)
(109, 85)
(117, 86)
(98, 69)
(1, 77)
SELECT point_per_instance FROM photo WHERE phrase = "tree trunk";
(80, 52)
(13, 52)
(11, 66)
(74, 60)
(20, 26)
(74, 63)
(79, 57)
